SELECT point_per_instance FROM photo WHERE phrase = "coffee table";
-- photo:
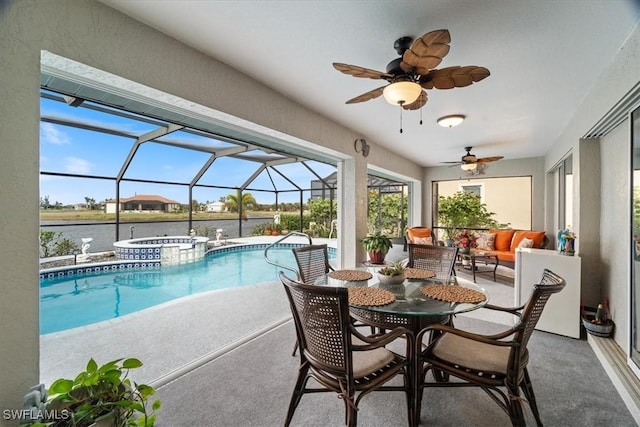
(482, 257)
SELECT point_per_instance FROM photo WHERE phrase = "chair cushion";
(366, 362)
(472, 354)
(486, 241)
(536, 236)
(412, 233)
(503, 239)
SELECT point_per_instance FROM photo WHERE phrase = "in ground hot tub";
(169, 250)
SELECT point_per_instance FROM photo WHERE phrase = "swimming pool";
(107, 292)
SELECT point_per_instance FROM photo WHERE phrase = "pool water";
(79, 300)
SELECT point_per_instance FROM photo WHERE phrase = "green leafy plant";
(385, 212)
(54, 244)
(104, 392)
(464, 210)
(244, 201)
(377, 242)
(204, 231)
(395, 269)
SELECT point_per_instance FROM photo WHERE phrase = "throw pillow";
(526, 243)
(503, 238)
(486, 241)
(423, 240)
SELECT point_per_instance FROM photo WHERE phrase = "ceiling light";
(469, 166)
(451, 121)
(402, 92)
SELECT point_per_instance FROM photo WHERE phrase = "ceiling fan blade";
(451, 77)
(426, 52)
(418, 103)
(489, 159)
(356, 71)
(372, 94)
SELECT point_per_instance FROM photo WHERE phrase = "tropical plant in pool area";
(55, 244)
(385, 212)
(321, 213)
(244, 201)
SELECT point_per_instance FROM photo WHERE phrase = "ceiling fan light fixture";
(402, 92)
(469, 166)
(451, 121)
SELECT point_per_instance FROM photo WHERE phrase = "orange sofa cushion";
(503, 239)
(507, 256)
(420, 232)
(536, 236)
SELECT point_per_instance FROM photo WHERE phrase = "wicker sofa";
(506, 241)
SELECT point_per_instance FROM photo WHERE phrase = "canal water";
(105, 234)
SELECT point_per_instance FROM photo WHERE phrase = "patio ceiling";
(544, 56)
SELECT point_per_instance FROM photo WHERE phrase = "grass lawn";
(97, 216)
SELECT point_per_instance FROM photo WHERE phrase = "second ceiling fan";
(469, 162)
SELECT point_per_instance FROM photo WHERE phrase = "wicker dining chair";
(495, 361)
(313, 262)
(337, 356)
(439, 259)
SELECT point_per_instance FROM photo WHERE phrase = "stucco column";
(19, 204)
(352, 211)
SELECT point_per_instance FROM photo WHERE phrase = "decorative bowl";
(391, 280)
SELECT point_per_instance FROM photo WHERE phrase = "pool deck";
(172, 337)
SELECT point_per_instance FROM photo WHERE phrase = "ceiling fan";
(415, 71)
(470, 163)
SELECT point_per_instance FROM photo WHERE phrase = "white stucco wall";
(601, 215)
(93, 34)
(614, 228)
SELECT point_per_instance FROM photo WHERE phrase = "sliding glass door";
(635, 238)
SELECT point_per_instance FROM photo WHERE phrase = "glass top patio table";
(411, 309)
(409, 299)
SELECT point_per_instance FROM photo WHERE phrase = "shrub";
(54, 244)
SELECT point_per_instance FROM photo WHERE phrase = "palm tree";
(248, 202)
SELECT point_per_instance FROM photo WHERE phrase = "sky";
(73, 150)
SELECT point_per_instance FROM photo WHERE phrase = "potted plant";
(101, 396)
(392, 275)
(376, 245)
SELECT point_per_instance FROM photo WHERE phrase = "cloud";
(52, 135)
(77, 165)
